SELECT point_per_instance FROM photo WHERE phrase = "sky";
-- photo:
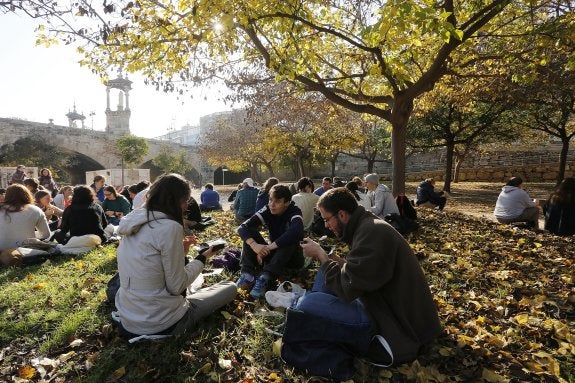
(38, 84)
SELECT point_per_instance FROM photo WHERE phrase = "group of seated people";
(377, 291)
(66, 212)
(515, 206)
(152, 300)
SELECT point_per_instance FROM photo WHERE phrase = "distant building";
(186, 135)
(73, 117)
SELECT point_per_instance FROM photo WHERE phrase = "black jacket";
(560, 218)
(82, 220)
(426, 192)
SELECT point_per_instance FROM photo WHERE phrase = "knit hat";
(372, 179)
(248, 181)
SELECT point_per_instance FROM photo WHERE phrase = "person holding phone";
(152, 268)
(377, 290)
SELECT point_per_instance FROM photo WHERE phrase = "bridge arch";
(92, 150)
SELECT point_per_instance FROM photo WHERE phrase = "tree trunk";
(458, 162)
(270, 168)
(563, 159)
(300, 168)
(400, 113)
(333, 162)
(370, 165)
(398, 138)
(254, 172)
(448, 165)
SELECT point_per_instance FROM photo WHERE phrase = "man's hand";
(313, 250)
(110, 213)
(261, 251)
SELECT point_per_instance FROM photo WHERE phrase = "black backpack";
(402, 224)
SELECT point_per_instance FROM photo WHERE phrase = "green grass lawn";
(506, 299)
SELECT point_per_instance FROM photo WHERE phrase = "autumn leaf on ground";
(493, 377)
(119, 373)
(26, 372)
(38, 286)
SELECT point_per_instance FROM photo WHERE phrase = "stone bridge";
(93, 149)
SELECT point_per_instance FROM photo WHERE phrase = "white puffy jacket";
(152, 272)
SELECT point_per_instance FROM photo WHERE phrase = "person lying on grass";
(153, 273)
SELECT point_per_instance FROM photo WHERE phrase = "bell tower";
(118, 121)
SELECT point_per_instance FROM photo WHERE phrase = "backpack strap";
(387, 347)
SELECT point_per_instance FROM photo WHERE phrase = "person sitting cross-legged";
(153, 298)
(20, 219)
(514, 205)
(284, 222)
(382, 202)
(83, 216)
(376, 299)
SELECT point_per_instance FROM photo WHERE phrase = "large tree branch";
(438, 68)
(329, 93)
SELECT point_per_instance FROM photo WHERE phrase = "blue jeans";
(322, 302)
(324, 334)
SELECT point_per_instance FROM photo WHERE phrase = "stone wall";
(529, 173)
(539, 165)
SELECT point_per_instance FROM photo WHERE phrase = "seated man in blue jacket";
(285, 225)
(426, 194)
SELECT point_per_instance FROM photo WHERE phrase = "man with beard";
(377, 292)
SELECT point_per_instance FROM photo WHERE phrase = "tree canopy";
(375, 57)
(131, 149)
(170, 161)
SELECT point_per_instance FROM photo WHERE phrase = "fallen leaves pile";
(506, 299)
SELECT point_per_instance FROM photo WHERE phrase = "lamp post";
(223, 176)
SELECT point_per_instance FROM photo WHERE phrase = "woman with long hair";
(20, 218)
(560, 209)
(152, 268)
(83, 216)
(47, 181)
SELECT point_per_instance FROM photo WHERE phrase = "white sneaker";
(290, 287)
(280, 299)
